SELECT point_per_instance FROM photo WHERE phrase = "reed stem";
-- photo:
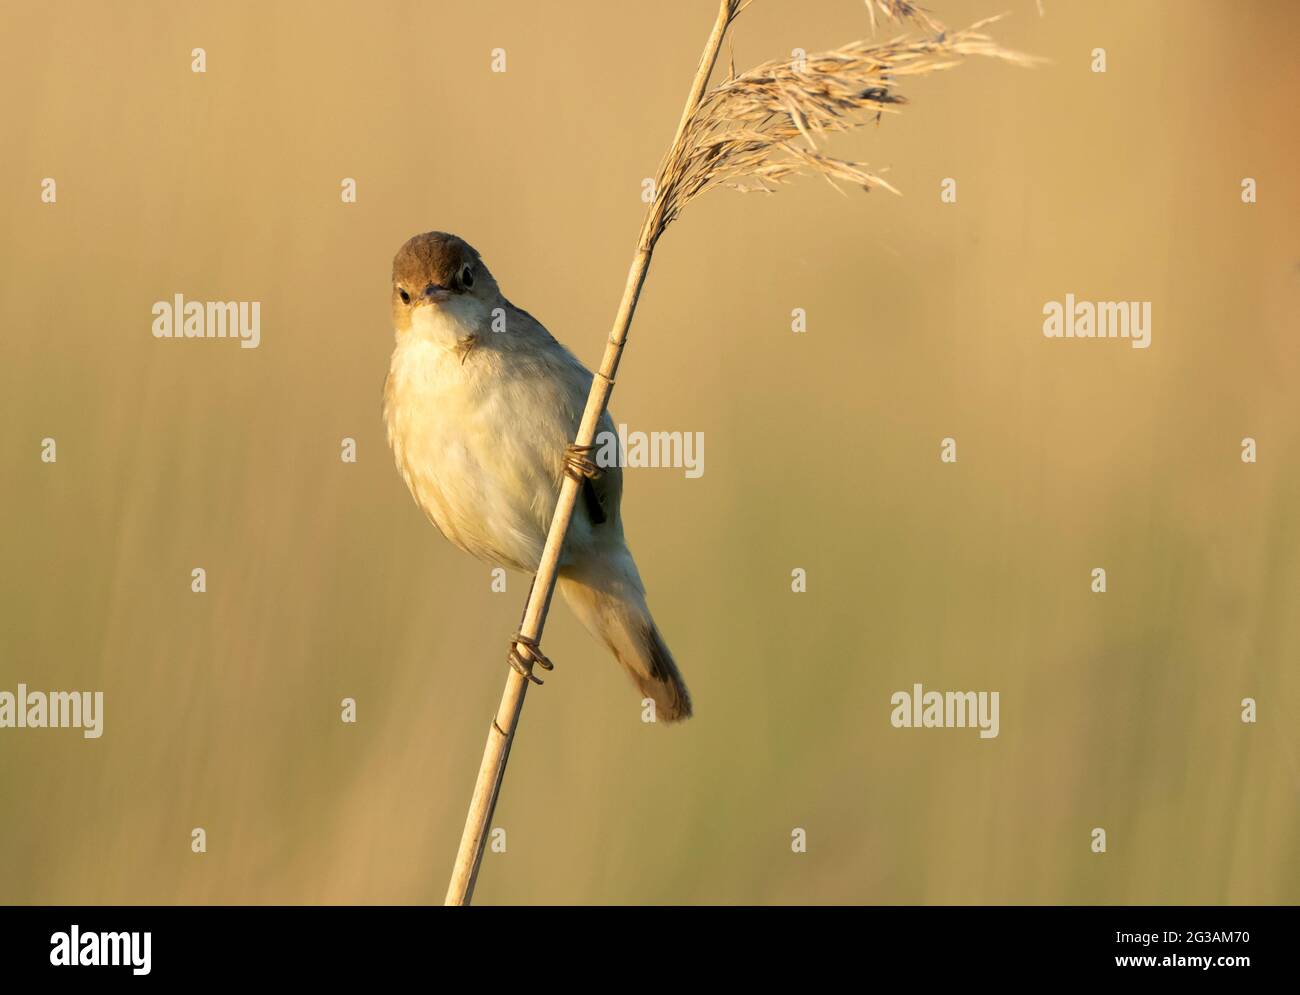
(487, 787)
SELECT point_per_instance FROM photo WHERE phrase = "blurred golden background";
(222, 710)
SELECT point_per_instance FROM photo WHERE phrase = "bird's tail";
(606, 594)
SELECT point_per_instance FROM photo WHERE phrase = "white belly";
(480, 444)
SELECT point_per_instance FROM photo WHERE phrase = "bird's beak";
(435, 293)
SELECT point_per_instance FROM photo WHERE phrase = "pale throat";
(453, 325)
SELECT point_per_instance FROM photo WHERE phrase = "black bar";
(1225, 945)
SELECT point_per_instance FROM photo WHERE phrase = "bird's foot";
(531, 656)
(578, 464)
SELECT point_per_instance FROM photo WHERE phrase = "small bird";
(482, 404)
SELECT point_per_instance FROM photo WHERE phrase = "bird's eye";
(406, 298)
(467, 277)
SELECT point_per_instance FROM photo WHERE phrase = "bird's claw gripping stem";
(578, 464)
(534, 657)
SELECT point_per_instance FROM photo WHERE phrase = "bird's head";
(439, 272)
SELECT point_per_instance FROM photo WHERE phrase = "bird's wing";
(599, 496)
